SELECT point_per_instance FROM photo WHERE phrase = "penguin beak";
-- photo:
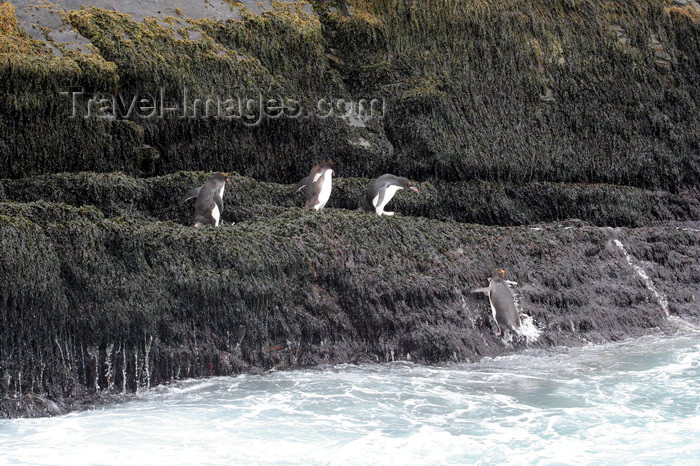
(414, 189)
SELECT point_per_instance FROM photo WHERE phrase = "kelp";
(94, 304)
(246, 199)
(569, 91)
(526, 125)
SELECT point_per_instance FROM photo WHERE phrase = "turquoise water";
(633, 402)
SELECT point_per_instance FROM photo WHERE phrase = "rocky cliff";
(559, 140)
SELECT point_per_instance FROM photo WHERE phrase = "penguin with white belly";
(382, 190)
(318, 185)
(502, 302)
(210, 200)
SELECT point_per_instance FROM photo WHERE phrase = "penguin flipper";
(219, 203)
(480, 290)
(380, 196)
(301, 184)
(192, 193)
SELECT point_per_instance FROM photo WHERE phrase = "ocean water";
(635, 402)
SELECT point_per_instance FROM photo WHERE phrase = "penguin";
(502, 302)
(382, 190)
(210, 200)
(319, 183)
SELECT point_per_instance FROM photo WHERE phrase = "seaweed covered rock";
(595, 91)
(95, 304)
(157, 198)
(157, 96)
(524, 115)
(527, 90)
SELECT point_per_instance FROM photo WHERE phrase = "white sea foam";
(528, 328)
(613, 403)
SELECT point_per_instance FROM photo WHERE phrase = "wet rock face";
(513, 119)
(488, 91)
(113, 305)
(489, 203)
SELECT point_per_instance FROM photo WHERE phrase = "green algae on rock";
(591, 91)
(529, 91)
(489, 203)
(510, 114)
(279, 54)
(97, 304)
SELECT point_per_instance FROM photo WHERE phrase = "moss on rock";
(510, 114)
(157, 198)
(529, 91)
(89, 299)
(518, 92)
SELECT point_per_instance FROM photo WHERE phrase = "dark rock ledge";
(94, 307)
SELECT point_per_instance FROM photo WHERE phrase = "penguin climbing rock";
(210, 200)
(502, 302)
(319, 184)
(382, 190)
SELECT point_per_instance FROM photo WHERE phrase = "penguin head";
(406, 184)
(498, 273)
(327, 165)
(221, 177)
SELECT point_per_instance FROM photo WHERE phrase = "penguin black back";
(210, 204)
(503, 302)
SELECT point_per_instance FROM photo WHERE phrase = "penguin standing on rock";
(319, 184)
(502, 302)
(210, 200)
(382, 190)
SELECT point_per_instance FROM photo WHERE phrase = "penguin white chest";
(325, 193)
(493, 309)
(389, 192)
(215, 211)
(216, 214)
